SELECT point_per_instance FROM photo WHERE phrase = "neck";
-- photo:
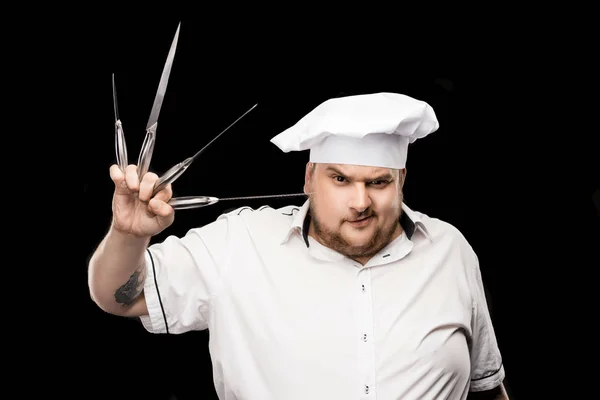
(397, 232)
(362, 260)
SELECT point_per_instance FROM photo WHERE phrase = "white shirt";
(289, 321)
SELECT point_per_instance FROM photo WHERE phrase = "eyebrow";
(384, 176)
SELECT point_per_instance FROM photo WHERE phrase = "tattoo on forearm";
(127, 293)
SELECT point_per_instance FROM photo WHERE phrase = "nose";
(360, 199)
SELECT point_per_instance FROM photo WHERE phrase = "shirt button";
(365, 337)
(363, 288)
(366, 389)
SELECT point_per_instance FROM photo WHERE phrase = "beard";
(336, 241)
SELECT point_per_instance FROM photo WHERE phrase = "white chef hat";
(367, 129)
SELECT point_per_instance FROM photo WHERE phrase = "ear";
(308, 175)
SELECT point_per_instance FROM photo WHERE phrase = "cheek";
(330, 203)
(396, 202)
(389, 206)
(330, 206)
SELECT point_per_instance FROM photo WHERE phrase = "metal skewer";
(120, 145)
(187, 202)
(175, 171)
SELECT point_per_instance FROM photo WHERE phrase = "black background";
(519, 188)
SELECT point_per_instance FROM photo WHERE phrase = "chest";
(409, 306)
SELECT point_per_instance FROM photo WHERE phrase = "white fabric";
(368, 129)
(378, 150)
(291, 322)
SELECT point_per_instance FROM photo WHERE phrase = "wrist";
(127, 237)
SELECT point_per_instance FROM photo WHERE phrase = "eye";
(339, 178)
(379, 183)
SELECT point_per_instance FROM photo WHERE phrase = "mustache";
(359, 216)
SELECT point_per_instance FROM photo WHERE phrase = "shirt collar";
(409, 220)
(412, 220)
(300, 224)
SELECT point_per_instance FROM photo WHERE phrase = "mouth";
(358, 223)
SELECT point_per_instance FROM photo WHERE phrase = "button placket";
(365, 343)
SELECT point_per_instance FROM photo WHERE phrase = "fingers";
(116, 175)
(165, 194)
(147, 186)
(129, 182)
(131, 178)
(125, 182)
(160, 208)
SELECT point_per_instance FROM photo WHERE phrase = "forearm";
(502, 395)
(117, 272)
(498, 393)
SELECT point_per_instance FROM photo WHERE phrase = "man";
(351, 296)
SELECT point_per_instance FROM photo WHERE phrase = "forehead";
(355, 170)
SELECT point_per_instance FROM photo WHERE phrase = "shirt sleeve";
(183, 277)
(487, 370)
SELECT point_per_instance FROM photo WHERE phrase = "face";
(354, 209)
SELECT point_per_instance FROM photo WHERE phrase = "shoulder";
(260, 214)
(264, 220)
(449, 240)
(444, 233)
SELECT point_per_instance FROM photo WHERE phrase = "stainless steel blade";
(114, 87)
(162, 86)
